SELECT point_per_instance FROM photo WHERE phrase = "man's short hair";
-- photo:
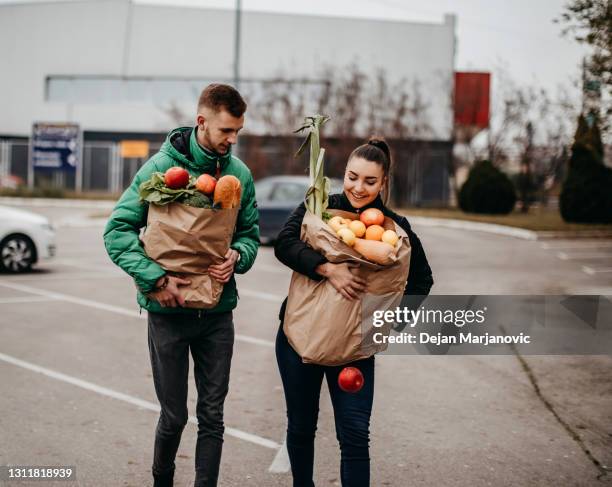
(218, 96)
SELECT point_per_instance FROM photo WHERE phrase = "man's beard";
(215, 148)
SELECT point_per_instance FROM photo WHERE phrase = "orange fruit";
(374, 232)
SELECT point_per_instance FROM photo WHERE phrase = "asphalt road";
(76, 386)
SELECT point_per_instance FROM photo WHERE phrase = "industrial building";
(124, 71)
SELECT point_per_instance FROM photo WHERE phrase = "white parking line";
(592, 270)
(275, 298)
(70, 277)
(255, 341)
(577, 246)
(583, 255)
(281, 464)
(25, 299)
(72, 299)
(113, 309)
(141, 403)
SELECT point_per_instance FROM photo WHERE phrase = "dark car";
(277, 197)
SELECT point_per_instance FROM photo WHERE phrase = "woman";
(366, 185)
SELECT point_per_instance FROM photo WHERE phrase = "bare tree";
(507, 116)
(590, 22)
(530, 131)
(176, 114)
(344, 101)
(281, 105)
(360, 105)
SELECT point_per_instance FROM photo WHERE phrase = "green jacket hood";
(181, 145)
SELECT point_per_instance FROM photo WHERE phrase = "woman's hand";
(343, 280)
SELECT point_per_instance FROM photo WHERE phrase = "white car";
(25, 238)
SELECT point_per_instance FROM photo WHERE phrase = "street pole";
(127, 41)
(237, 45)
(237, 55)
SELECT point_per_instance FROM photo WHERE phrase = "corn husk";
(317, 195)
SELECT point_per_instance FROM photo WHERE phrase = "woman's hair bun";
(380, 143)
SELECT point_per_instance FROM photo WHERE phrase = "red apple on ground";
(350, 379)
(206, 184)
(176, 178)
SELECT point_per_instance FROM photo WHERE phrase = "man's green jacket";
(121, 235)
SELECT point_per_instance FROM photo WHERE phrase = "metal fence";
(104, 170)
(420, 176)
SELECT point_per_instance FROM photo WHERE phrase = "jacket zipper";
(218, 171)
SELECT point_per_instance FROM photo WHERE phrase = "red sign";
(472, 99)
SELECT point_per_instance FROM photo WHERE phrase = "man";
(173, 329)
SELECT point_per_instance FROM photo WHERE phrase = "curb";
(57, 202)
(544, 235)
(81, 223)
(475, 226)
(506, 230)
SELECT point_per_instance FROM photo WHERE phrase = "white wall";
(90, 39)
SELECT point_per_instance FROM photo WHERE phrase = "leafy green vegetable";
(155, 191)
(198, 200)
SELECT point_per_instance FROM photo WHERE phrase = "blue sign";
(56, 146)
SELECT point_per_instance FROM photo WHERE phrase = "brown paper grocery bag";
(185, 240)
(324, 327)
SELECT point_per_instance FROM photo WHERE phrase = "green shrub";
(586, 194)
(487, 190)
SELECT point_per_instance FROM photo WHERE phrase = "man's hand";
(170, 297)
(343, 280)
(222, 272)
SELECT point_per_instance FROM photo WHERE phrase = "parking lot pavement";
(76, 384)
(593, 256)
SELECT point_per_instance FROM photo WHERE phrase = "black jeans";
(302, 385)
(211, 340)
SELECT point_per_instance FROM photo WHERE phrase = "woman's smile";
(363, 181)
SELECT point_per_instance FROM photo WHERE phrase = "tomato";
(176, 178)
(372, 216)
(206, 184)
(350, 379)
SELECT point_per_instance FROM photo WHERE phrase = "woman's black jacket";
(300, 257)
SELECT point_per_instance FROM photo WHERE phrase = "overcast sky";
(517, 34)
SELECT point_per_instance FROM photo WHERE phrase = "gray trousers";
(210, 338)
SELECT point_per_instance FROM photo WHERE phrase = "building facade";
(124, 70)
